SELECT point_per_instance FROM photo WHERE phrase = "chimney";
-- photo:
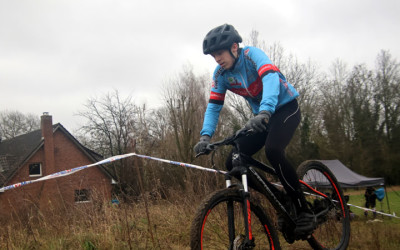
(47, 134)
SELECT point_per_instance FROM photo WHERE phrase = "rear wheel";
(333, 231)
(211, 228)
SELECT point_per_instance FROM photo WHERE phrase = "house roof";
(16, 151)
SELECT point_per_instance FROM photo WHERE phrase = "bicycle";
(225, 219)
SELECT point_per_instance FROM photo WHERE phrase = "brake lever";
(209, 149)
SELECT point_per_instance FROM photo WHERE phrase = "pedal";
(289, 236)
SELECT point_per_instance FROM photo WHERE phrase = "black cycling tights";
(280, 130)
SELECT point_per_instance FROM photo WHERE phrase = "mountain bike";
(235, 218)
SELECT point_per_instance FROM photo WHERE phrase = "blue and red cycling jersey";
(256, 79)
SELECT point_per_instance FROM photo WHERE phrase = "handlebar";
(230, 140)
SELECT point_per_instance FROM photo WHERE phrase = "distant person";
(370, 200)
(347, 199)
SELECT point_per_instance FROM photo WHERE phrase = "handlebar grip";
(244, 132)
(208, 149)
(211, 147)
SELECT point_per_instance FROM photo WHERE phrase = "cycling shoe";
(305, 224)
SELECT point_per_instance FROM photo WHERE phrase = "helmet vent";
(213, 41)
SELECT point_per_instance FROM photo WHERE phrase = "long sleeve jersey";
(256, 79)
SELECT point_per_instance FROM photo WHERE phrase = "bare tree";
(158, 124)
(306, 79)
(185, 99)
(253, 40)
(239, 109)
(110, 123)
(14, 123)
(387, 91)
(335, 115)
(364, 118)
(113, 125)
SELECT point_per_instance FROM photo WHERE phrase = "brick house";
(39, 153)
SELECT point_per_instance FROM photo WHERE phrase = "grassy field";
(392, 195)
(128, 227)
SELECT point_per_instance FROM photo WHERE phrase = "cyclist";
(249, 72)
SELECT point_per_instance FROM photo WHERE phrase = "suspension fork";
(246, 207)
(231, 214)
(245, 195)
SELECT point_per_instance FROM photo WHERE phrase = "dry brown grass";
(106, 226)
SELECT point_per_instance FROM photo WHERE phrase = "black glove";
(202, 144)
(259, 122)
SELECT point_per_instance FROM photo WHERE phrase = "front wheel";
(214, 227)
(333, 231)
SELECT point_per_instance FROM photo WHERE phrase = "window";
(35, 169)
(82, 195)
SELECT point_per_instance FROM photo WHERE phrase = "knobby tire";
(210, 228)
(334, 232)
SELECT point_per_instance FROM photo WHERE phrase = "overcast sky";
(55, 54)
